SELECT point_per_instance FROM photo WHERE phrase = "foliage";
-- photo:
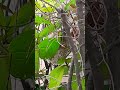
(49, 43)
(16, 46)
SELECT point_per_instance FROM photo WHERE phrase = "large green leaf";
(25, 13)
(23, 55)
(56, 77)
(48, 48)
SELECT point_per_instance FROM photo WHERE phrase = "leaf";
(50, 28)
(62, 1)
(55, 77)
(4, 72)
(63, 60)
(2, 18)
(71, 3)
(83, 83)
(47, 30)
(47, 9)
(23, 55)
(48, 48)
(43, 7)
(40, 20)
(74, 83)
(25, 13)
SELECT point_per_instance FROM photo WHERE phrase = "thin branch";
(70, 76)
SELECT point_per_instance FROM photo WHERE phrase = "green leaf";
(2, 18)
(4, 72)
(72, 2)
(23, 55)
(40, 20)
(63, 60)
(47, 30)
(56, 77)
(62, 1)
(47, 9)
(25, 13)
(48, 48)
(74, 83)
(83, 83)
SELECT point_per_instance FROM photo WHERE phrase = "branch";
(73, 47)
(70, 76)
(81, 25)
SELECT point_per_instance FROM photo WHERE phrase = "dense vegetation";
(57, 44)
(60, 44)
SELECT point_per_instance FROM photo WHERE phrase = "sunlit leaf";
(48, 48)
(47, 9)
(62, 1)
(56, 77)
(71, 3)
(40, 20)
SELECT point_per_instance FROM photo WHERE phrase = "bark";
(70, 76)
(81, 25)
